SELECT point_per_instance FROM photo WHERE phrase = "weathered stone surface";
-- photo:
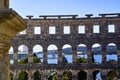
(4, 3)
(74, 39)
(10, 24)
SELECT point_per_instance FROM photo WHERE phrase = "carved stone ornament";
(4, 3)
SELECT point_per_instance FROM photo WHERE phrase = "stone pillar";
(44, 56)
(10, 24)
(4, 61)
(103, 56)
(15, 56)
(60, 75)
(118, 73)
(74, 75)
(118, 62)
(74, 54)
(59, 56)
(30, 57)
(45, 75)
(89, 59)
(118, 55)
(30, 28)
(30, 75)
(4, 3)
(104, 75)
(16, 75)
(89, 75)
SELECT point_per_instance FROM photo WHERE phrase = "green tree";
(112, 61)
(67, 75)
(64, 60)
(55, 77)
(23, 76)
(81, 60)
(52, 75)
(11, 76)
(111, 75)
(37, 75)
(25, 60)
(36, 60)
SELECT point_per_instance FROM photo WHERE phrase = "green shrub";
(81, 60)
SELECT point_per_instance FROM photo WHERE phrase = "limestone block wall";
(103, 30)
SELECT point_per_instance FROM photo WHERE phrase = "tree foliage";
(25, 60)
(23, 76)
(37, 75)
(81, 60)
(112, 61)
(11, 76)
(67, 75)
(53, 76)
(111, 75)
(64, 60)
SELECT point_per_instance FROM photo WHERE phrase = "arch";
(111, 48)
(81, 53)
(38, 50)
(96, 53)
(22, 54)
(67, 75)
(111, 51)
(96, 75)
(52, 51)
(112, 75)
(23, 48)
(23, 75)
(37, 75)
(52, 47)
(11, 75)
(67, 53)
(82, 75)
(11, 52)
(52, 75)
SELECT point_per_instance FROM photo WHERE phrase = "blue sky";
(64, 7)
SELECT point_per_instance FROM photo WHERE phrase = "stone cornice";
(9, 19)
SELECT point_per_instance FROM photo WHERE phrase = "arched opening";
(81, 53)
(52, 75)
(11, 76)
(11, 52)
(111, 53)
(82, 75)
(38, 53)
(96, 75)
(37, 75)
(112, 75)
(67, 75)
(23, 76)
(52, 54)
(67, 53)
(96, 53)
(22, 54)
